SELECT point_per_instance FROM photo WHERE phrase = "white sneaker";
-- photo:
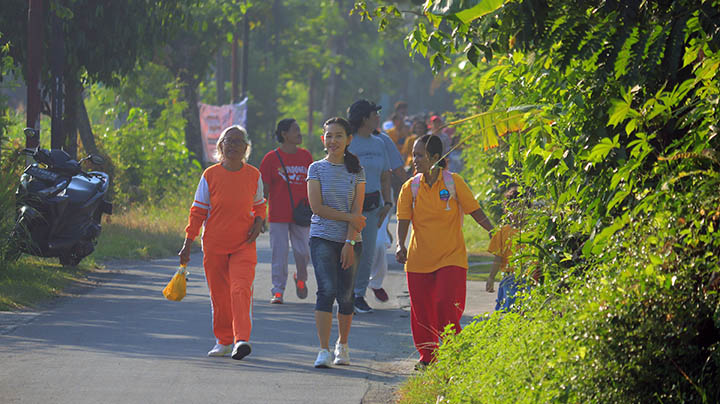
(323, 359)
(342, 354)
(220, 350)
(241, 350)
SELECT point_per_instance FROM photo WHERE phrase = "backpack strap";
(447, 179)
(449, 182)
(415, 187)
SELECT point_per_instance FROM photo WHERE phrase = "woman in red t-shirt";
(284, 171)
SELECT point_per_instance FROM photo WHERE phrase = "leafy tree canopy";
(104, 39)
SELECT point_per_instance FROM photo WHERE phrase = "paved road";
(122, 342)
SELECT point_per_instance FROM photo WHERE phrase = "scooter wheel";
(69, 260)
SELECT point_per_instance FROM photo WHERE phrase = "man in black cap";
(370, 150)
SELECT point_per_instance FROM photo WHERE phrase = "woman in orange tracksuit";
(229, 202)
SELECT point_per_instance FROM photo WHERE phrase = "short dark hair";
(401, 105)
(283, 126)
(433, 145)
(360, 110)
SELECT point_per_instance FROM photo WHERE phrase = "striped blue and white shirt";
(337, 187)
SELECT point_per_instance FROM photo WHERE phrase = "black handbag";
(302, 212)
(371, 201)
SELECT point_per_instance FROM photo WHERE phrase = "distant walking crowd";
(335, 213)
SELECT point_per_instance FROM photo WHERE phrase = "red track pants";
(230, 280)
(436, 300)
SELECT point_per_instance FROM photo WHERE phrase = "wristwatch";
(388, 203)
(351, 242)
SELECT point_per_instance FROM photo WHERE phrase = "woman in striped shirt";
(336, 188)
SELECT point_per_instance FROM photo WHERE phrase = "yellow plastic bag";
(175, 289)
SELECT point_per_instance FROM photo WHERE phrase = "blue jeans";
(369, 238)
(334, 283)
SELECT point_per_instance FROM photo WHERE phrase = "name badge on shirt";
(445, 196)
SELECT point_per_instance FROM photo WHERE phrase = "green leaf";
(464, 10)
(486, 81)
(602, 149)
(600, 241)
(620, 111)
(473, 54)
(619, 197)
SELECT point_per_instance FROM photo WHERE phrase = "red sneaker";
(277, 298)
(380, 294)
(300, 288)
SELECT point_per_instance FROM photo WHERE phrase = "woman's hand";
(401, 254)
(185, 252)
(347, 256)
(490, 284)
(255, 230)
(357, 221)
(382, 213)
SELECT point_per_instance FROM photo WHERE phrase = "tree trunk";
(311, 87)
(34, 67)
(70, 127)
(330, 99)
(245, 54)
(234, 69)
(84, 127)
(220, 77)
(57, 66)
(329, 108)
(193, 139)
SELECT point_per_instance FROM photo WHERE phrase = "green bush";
(11, 166)
(640, 328)
(618, 161)
(147, 152)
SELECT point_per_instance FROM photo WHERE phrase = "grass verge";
(476, 242)
(143, 232)
(476, 238)
(31, 280)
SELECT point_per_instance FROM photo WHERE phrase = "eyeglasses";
(233, 140)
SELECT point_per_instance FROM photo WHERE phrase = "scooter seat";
(81, 189)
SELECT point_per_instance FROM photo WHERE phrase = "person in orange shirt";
(399, 132)
(229, 203)
(436, 260)
(503, 244)
(418, 129)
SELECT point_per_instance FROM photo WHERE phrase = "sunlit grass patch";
(476, 242)
(476, 238)
(479, 267)
(32, 280)
(143, 232)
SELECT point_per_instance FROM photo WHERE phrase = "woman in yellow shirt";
(436, 259)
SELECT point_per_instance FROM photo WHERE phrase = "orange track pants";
(230, 280)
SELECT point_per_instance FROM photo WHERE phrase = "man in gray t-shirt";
(370, 150)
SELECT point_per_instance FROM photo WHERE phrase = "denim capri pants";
(334, 283)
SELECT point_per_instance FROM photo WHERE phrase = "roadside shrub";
(148, 154)
(642, 327)
(11, 166)
(622, 175)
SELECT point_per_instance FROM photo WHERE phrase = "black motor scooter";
(59, 206)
